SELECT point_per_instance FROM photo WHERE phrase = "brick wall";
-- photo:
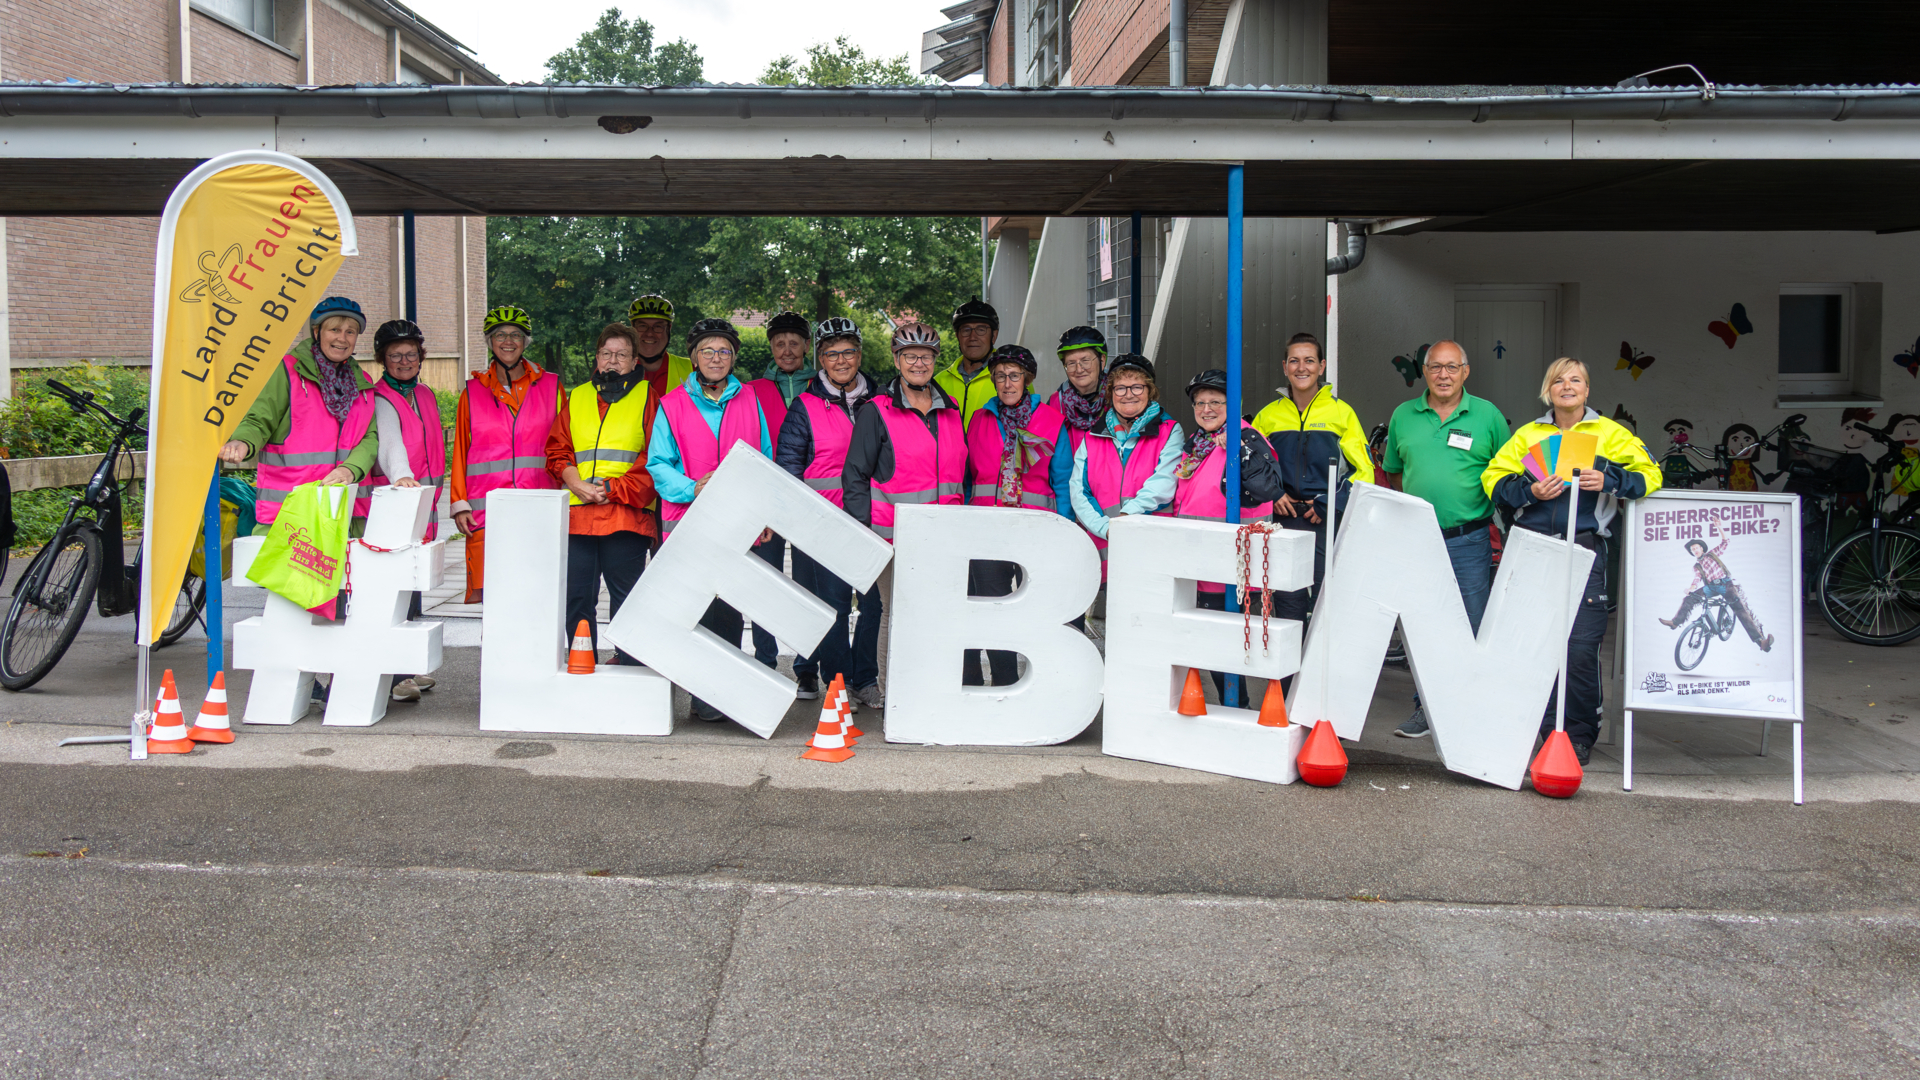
(1114, 38)
(81, 287)
(222, 54)
(1000, 48)
(344, 50)
(90, 40)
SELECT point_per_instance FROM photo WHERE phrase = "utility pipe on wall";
(1356, 250)
(1177, 43)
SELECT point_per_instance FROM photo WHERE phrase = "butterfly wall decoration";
(1910, 359)
(1411, 367)
(1632, 359)
(1730, 326)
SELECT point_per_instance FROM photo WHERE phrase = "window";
(255, 16)
(1816, 338)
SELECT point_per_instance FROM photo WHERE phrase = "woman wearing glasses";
(500, 430)
(704, 417)
(1126, 465)
(596, 444)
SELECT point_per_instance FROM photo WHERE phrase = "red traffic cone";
(581, 658)
(168, 733)
(844, 705)
(1193, 700)
(829, 743)
(1556, 769)
(1273, 707)
(1322, 761)
(211, 725)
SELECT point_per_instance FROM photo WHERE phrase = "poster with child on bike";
(1713, 614)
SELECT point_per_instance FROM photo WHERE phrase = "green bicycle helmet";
(506, 315)
(650, 306)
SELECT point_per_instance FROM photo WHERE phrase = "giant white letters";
(708, 556)
(1155, 633)
(934, 622)
(1484, 698)
(524, 684)
(286, 645)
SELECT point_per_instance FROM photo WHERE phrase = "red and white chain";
(1243, 572)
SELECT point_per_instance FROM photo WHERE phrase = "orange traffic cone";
(580, 658)
(1322, 761)
(829, 742)
(1193, 700)
(168, 733)
(211, 725)
(843, 702)
(1273, 707)
(1556, 769)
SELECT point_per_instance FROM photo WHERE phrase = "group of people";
(636, 444)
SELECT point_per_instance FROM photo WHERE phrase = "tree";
(622, 53)
(842, 64)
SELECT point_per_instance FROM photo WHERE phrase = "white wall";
(1657, 291)
(1056, 300)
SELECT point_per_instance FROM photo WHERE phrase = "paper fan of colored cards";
(1560, 454)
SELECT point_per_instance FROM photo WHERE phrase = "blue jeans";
(765, 648)
(858, 660)
(1472, 557)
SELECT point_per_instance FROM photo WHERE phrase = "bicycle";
(1714, 621)
(83, 564)
(1870, 583)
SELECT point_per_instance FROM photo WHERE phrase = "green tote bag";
(304, 557)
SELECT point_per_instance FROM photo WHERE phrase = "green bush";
(755, 354)
(37, 513)
(35, 423)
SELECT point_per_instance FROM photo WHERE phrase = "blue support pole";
(411, 244)
(1236, 254)
(1134, 336)
(216, 623)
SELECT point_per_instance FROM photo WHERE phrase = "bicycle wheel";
(187, 605)
(1692, 646)
(1873, 602)
(49, 604)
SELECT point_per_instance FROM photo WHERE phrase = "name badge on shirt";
(1460, 440)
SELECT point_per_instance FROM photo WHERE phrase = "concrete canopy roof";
(1488, 158)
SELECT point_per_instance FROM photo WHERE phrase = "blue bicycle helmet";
(337, 305)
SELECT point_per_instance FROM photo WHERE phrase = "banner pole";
(1573, 609)
(142, 710)
(212, 614)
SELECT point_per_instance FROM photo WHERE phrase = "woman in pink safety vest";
(908, 443)
(313, 420)
(812, 445)
(1201, 478)
(1081, 399)
(1011, 443)
(701, 421)
(500, 428)
(1126, 464)
(413, 444)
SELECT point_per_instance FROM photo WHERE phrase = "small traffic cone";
(1273, 707)
(1556, 769)
(168, 733)
(580, 658)
(844, 704)
(829, 742)
(1322, 761)
(211, 725)
(1193, 700)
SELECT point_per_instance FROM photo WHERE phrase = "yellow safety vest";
(606, 447)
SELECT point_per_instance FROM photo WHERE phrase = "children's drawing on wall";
(1632, 359)
(1904, 429)
(1730, 326)
(1852, 476)
(1625, 419)
(1680, 466)
(1909, 359)
(1411, 367)
(1741, 445)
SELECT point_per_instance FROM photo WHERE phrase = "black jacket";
(1260, 478)
(793, 443)
(870, 458)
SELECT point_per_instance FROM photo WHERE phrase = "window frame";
(1823, 382)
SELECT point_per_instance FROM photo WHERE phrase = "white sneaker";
(405, 690)
(424, 682)
(869, 697)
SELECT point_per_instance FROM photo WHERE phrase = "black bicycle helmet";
(1083, 337)
(1014, 354)
(976, 310)
(1130, 362)
(707, 328)
(834, 328)
(789, 322)
(396, 330)
(1210, 379)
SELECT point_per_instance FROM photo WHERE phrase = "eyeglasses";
(1129, 391)
(1009, 375)
(1198, 405)
(396, 356)
(840, 354)
(1446, 369)
(971, 329)
(611, 354)
(714, 354)
(508, 335)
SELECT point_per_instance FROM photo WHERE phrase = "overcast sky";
(736, 38)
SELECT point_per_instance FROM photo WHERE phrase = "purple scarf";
(1199, 445)
(339, 384)
(1083, 412)
(1020, 451)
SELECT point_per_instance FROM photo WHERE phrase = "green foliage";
(812, 265)
(36, 514)
(843, 64)
(35, 423)
(622, 52)
(755, 353)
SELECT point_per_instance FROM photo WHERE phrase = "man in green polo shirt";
(1438, 444)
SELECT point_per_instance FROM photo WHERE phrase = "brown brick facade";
(222, 54)
(1113, 39)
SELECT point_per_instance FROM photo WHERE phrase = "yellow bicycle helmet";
(650, 306)
(506, 315)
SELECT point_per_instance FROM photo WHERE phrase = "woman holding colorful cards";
(1573, 452)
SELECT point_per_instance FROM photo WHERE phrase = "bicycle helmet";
(506, 315)
(834, 328)
(789, 322)
(396, 330)
(1083, 337)
(337, 305)
(1014, 354)
(976, 310)
(650, 306)
(1210, 379)
(916, 335)
(1131, 362)
(707, 328)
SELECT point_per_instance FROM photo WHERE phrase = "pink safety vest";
(700, 451)
(1199, 495)
(986, 443)
(426, 454)
(1111, 485)
(316, 442)
(504, 451)
(772, 405)
(832, 434)
(928, 467)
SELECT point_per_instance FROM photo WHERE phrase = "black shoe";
(706, 712)
(1583, 752)
(809, 687)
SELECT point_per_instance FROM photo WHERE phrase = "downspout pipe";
(1356, 250)
(1177, 43)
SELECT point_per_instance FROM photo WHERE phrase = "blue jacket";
(670, 480)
